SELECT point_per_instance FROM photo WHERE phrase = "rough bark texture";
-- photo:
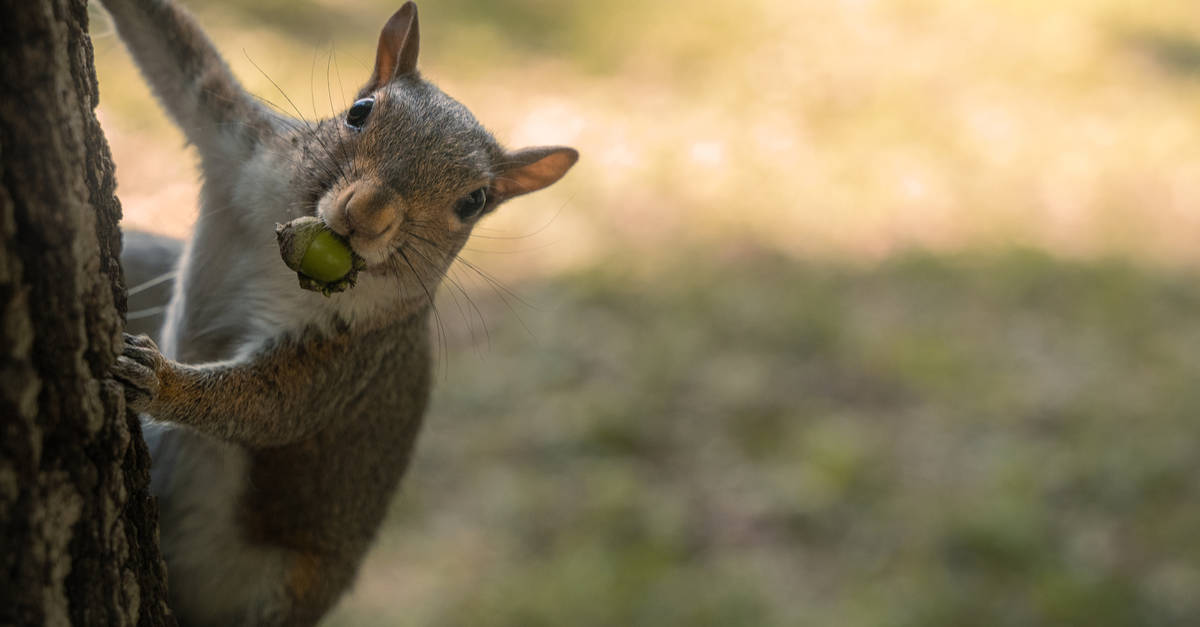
(77, 526)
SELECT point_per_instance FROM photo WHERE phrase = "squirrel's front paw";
(137, 368)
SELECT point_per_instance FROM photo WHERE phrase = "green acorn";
(322, 260)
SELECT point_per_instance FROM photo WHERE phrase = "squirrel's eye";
(357, 116)
(470, 205)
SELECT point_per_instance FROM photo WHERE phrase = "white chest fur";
(214, 574)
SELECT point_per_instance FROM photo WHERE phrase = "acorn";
(322, 259)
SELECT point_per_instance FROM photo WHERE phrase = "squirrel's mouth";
(375, 250)
(361, 214)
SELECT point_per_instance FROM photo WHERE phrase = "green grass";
(974, 440)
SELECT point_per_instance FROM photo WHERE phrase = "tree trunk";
(77, 525)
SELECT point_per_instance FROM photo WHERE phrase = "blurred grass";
(742, 399)
(983, 439)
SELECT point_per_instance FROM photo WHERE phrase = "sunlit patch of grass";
(819, 129)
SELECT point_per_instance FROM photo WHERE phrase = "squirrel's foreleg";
(267, 400)
(190, 78)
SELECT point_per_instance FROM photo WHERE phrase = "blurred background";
(855, 313)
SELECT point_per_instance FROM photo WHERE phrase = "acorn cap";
(295, 237)
(322, 259)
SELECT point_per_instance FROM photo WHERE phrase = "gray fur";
(281, 420)
(149, 261)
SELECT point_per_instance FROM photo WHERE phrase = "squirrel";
(280, 420)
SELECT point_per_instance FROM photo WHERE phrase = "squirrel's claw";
(137, 369)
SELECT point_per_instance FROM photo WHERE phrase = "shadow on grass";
(1176, 53)
(1002, 439)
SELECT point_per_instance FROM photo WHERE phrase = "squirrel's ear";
(531, 169)
(398, 46)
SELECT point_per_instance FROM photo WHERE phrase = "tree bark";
(78, 529)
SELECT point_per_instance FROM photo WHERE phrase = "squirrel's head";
(406, 172)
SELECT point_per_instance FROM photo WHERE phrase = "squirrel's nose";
(368, 209)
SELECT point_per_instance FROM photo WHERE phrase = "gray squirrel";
(279, 420)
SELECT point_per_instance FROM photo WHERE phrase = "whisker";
(487, 333)
(495, 283)
(501, 290)
(312, 94)
(433, 306)
(455, 284)
(311, 129)
(543, 227)
(338, 73)
(146, 313)
(485, 251)
(145, 285)
(333, 112)
(277, 87)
